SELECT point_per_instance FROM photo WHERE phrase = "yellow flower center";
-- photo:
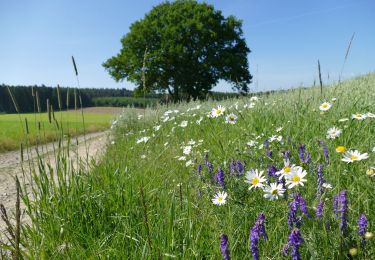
(324, 105)
(274, 192)
(231, 118)
(218, 111)
(255, 181)
(296, 178)
(358, 115)
(286, 169)
(353, 157)
(220, 198)
(340, 149)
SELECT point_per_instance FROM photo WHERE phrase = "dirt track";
(10, 164)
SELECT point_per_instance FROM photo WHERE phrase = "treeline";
(26, 98)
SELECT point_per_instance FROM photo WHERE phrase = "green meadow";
(14, 130)
(154, 193)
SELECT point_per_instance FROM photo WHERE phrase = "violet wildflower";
(286, 154)
(285, 250)
(210, 167)
(295, 241)
(224, 247)
(321, 180)
(297, 203)
(257, 231)
(325, 151)
(302, 152)
(319, 209)
(199, 168)
(236, 167)
(269, 153)
(220, 177)
(336, 205)
(362, 225)
(272, 171)
(343, 200)
(266, 144)
(292, 214)
(308, 158)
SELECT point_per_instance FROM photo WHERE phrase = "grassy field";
(13, 127)
(153, 194)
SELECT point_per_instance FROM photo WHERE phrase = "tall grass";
(144, 201)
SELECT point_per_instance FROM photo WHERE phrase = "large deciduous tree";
(183, 48)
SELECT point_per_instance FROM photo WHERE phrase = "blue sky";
(38, 38)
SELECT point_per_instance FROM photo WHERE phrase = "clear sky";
(38, 38)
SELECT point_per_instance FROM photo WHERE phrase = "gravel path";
(10, 164)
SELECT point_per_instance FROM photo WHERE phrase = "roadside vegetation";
(288, 174)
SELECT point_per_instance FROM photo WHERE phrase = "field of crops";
(38, 129)
(291, 174)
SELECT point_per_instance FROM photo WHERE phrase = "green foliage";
(183, 48)
(141, 202)
(125, 102)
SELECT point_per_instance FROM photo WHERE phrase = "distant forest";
(26, 98)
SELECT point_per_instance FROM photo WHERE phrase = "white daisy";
(143, 139)
(325, 106)
(327, 185)
(219, 111)
(343, 119)
(296, 178)
(279, 129)
(351, 156)
(220, 198)
(359, 116)
(188, 163)
(187, 149)
(198, 122)
(371, 115)
(231, 119)
(253, 143)
(333, 133)
(184, 124)
(273, 191)
(287, 169)
(254, 98)
(255, 179)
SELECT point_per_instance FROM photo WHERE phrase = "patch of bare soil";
(92, 146)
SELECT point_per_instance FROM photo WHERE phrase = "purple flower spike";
(362, 225)
(210, 167)
(286, 155)
(308, 158)
(302, 152)
(295, 241)
(272, 172)
(325, 151)
(319, 209)
(336, 205)
(297, 203)
(224, 247)
(321, 180)
(220, 177)
(257, 231)
(236, 167)
(343, 200)
(199, 168)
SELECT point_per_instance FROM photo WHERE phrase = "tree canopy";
(183, 48)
